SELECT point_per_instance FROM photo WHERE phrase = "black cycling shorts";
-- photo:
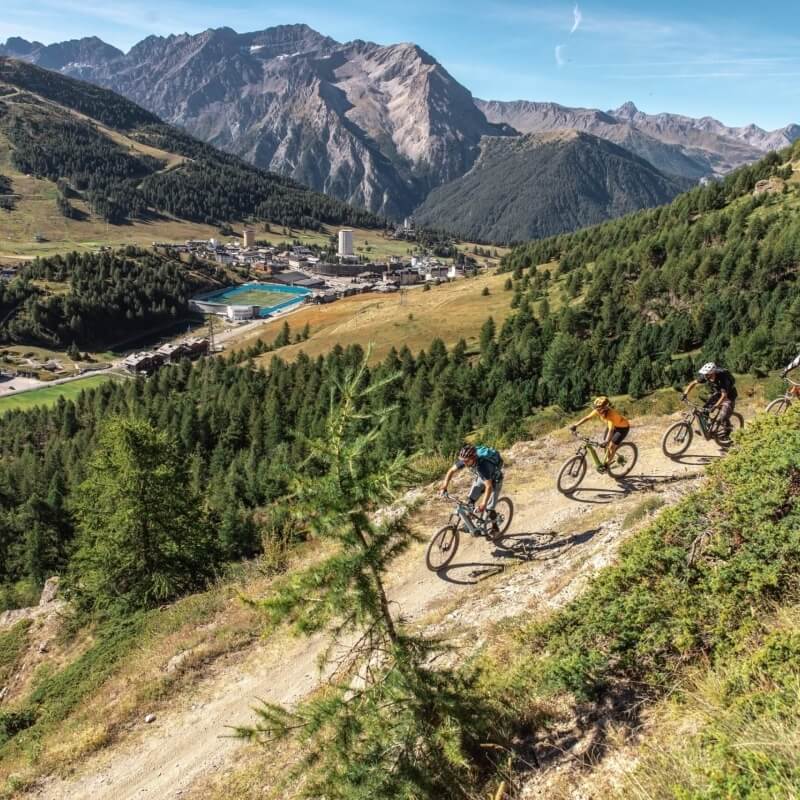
(618, 434)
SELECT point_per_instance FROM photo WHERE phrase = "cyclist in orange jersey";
(617, 426)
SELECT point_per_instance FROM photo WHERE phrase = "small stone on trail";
(150, 718)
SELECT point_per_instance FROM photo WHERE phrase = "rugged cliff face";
(377, 126)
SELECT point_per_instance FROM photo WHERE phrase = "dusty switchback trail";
(553, 545)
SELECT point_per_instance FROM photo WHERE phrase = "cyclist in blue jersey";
(486, 465)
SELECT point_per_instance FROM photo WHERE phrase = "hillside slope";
(543, 184)
(555, 545)
(113, 159)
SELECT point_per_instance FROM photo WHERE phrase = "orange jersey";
(612, 418)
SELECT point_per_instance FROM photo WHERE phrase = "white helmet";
(706, 368)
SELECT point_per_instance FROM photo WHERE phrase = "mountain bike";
(464, 517)
(573, 470)
(780, 404)
(678, 437)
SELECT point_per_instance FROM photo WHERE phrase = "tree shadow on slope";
(581, 737)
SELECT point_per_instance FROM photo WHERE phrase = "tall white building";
(249, 238)
(345, 242)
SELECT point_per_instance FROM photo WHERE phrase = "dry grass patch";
(450, 311)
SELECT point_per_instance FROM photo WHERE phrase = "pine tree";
(142, 535)
(388, 725)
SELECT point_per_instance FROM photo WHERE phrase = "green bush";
(744, 738)
(659, 607)
(12, 642)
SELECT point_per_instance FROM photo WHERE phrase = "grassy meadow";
(48, 395)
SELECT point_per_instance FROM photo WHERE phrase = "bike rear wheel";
(571, 474)
(624, 460)
(442, 548)
(504, 509)
(676, 439)
(778, 406)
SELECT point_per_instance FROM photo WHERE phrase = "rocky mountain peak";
(627, 110)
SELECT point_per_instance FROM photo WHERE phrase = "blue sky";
(737, 61)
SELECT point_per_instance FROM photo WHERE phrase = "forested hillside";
(63, 130)
(93, 300)
(538, 185)
(6, 202)
(625, 307)
(713, 275)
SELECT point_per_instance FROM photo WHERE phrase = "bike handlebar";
(448, 496)
(587, 440)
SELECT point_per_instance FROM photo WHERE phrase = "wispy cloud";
(577, 19)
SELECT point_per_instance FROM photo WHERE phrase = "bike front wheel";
(504, 509)
(723, 437)
(676, 439)
(624, 460)
(571, 474)
(442, 548)
(778, 406)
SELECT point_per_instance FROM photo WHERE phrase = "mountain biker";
(486, 465)
(723, 392)
(794, 364)
(617, 426)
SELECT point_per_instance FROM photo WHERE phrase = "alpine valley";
(384, 126)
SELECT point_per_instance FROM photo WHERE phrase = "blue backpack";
(491, 455)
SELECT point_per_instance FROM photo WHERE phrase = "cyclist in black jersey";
(723, 392)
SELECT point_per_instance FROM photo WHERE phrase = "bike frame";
(466, 516)
(589, 446)
(702, 416)
(462, 512)
(792, 392)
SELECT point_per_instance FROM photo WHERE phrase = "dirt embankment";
(554, 545)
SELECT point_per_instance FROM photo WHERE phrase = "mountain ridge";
(546, 183)
(676, 144)
(379, 126)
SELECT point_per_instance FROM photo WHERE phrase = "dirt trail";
(555, 543)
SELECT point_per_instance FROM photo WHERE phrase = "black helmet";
(467, 451)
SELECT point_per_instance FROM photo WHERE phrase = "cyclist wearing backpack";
(617, 426)
(723, 392)
(487, 466)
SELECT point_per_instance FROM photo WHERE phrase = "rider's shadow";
(600, 496)
(690, 460)
(537, 546)
(470, 572)
(636, 483)
(541, 546)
